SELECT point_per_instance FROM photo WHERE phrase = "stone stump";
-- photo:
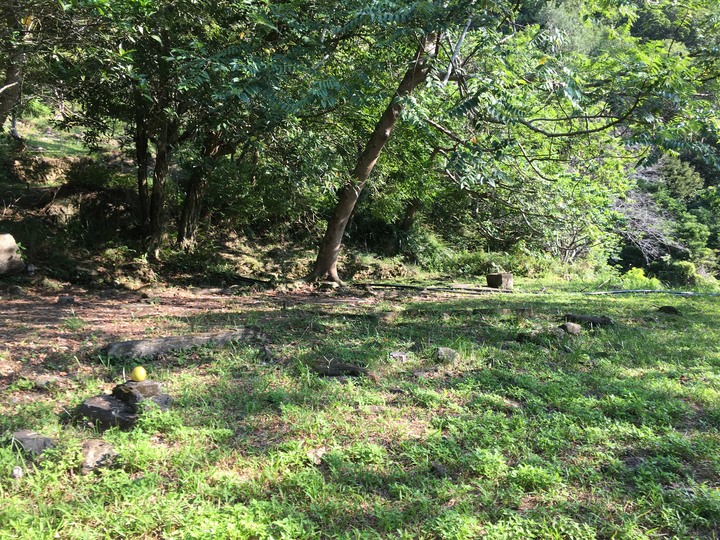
(122, 408)
(503, 280)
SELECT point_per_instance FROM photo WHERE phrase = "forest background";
(464, 137)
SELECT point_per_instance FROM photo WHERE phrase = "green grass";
(611, 434)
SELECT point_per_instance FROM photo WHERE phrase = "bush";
(681, 273)
(88, 174)
(635, 278)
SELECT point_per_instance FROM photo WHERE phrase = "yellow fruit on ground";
(138, 374)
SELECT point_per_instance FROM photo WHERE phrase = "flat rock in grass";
(591, 320)
(96, 454)
(398, 356)
(108, 411)
(446, 355)
(334, 368)
(574, 329)
(541, 337)
(133, 393)
(31, 442)
(143, 389)
(140, 348)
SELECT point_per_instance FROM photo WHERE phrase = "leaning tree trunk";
(326, 262)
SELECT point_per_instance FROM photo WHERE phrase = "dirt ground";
(42, 331)
(38, 327)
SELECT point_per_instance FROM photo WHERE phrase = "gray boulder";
(33, 443)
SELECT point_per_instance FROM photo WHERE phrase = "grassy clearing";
(610, 434)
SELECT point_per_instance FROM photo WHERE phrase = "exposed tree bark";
(326, 262)
(165, 140)
(141, 157)
(392, 246)
(213, 148)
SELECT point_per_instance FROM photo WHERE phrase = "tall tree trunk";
(157, 197)
(141, 157)
(192, 206)
(403, 227)
(213, 148)
(11, 85)
(326, 262)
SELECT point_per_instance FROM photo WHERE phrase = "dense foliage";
(574, 127)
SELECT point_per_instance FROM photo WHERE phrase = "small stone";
(95, 454)
(398, 356)
(574, 329)
(17, 473)
(438, 469)
(446, 355)
(16, 290)
(65, 300)
(315, 455)
(328, 286)
(33, 443)
(45, 382)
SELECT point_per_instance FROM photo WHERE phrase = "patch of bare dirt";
(42, 329)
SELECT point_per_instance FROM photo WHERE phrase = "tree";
(512, 105)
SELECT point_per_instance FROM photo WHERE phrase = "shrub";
(682, 273)
(635, 278)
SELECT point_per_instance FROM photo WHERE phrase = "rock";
(145, 389)
(95, 454)
(335, 368)
(33, 443)
(16, 290)
(17, 473)
(541, 337)
(140, 348)
(398, 356)
(591, 320)
(10, 260)
(133, 393)
(670, 310)
(46, 382)
(502, 280)
(163, 401)
(438, 469)
(446, 355)
(328, 286)
(65, 300)
(571, 328)
(315, 455)
(108, 411)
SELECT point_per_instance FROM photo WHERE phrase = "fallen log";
(138, 348)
